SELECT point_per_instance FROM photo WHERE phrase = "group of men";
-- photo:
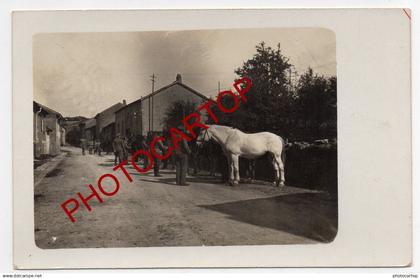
(122, 146)
(93, 146)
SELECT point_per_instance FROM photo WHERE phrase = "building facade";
(89, 130)
(128, 120)
(101, 127)
(148, 113)
(73, 130)
(49, 135)
(105, 126)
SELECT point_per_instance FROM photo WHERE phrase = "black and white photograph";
(185, 138)
(211, 139)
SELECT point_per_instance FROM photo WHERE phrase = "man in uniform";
(126, 148)
(83, 145)
(160, 149)
(90, 146)
(98, 147)
(133, 143)
(144, 146)
(118, 146)
(181, 160)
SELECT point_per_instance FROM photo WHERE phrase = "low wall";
(310, 166)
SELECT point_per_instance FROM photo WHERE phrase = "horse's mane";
(222, 126)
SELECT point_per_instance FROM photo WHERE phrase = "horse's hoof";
(233, 183)
(279, 184)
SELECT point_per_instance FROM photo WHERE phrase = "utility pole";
(218, 87)
(153, 79)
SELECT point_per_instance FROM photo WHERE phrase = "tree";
(177, 112)
(269, 97)
(304, 111)
(316, 104)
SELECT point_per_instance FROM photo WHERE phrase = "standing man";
(90, 146)
(118, 146)
(83, 145)
(126, 148)
(144, 146)
(165, 161)
(98, 147)
(133, 144)
(181, 161)
(159, 148)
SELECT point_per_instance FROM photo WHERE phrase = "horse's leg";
(280, 179)
(276, 170)
(230, 169)
(235, 160)
(212, 161)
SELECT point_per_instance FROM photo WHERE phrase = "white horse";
(236, 143)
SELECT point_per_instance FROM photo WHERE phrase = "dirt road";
(153, 211)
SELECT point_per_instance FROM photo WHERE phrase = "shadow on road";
(106, 164)
(168, 181)
(190, 180)
(308, 215)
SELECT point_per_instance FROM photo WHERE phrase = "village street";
(153, 211)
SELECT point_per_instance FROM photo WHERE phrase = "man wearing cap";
(160, 149)
(181, 160)
(118, 146)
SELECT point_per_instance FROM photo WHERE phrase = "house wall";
(106, 117)
(128, 121)
(90, 133)
(162, 101)
(38, 135)
(63, 136)
(107, 137)
(73, 133)
(46, 125)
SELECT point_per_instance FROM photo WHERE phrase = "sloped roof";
(111, 109)
(90, 123)
(163, 89)
(173, 84)
(46, 109)
(107, 116)
(128, 105)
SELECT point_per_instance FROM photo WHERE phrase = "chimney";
(178, 78)
(124, 102)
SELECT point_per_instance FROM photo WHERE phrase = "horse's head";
(203, 136)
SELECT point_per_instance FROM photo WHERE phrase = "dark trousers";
(165, 163)
(195, 160)
(156, 166)
(118, 156)
(181, 162)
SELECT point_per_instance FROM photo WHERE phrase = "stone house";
(49, 134)
(147, 113)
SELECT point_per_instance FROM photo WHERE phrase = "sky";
(81, 74)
